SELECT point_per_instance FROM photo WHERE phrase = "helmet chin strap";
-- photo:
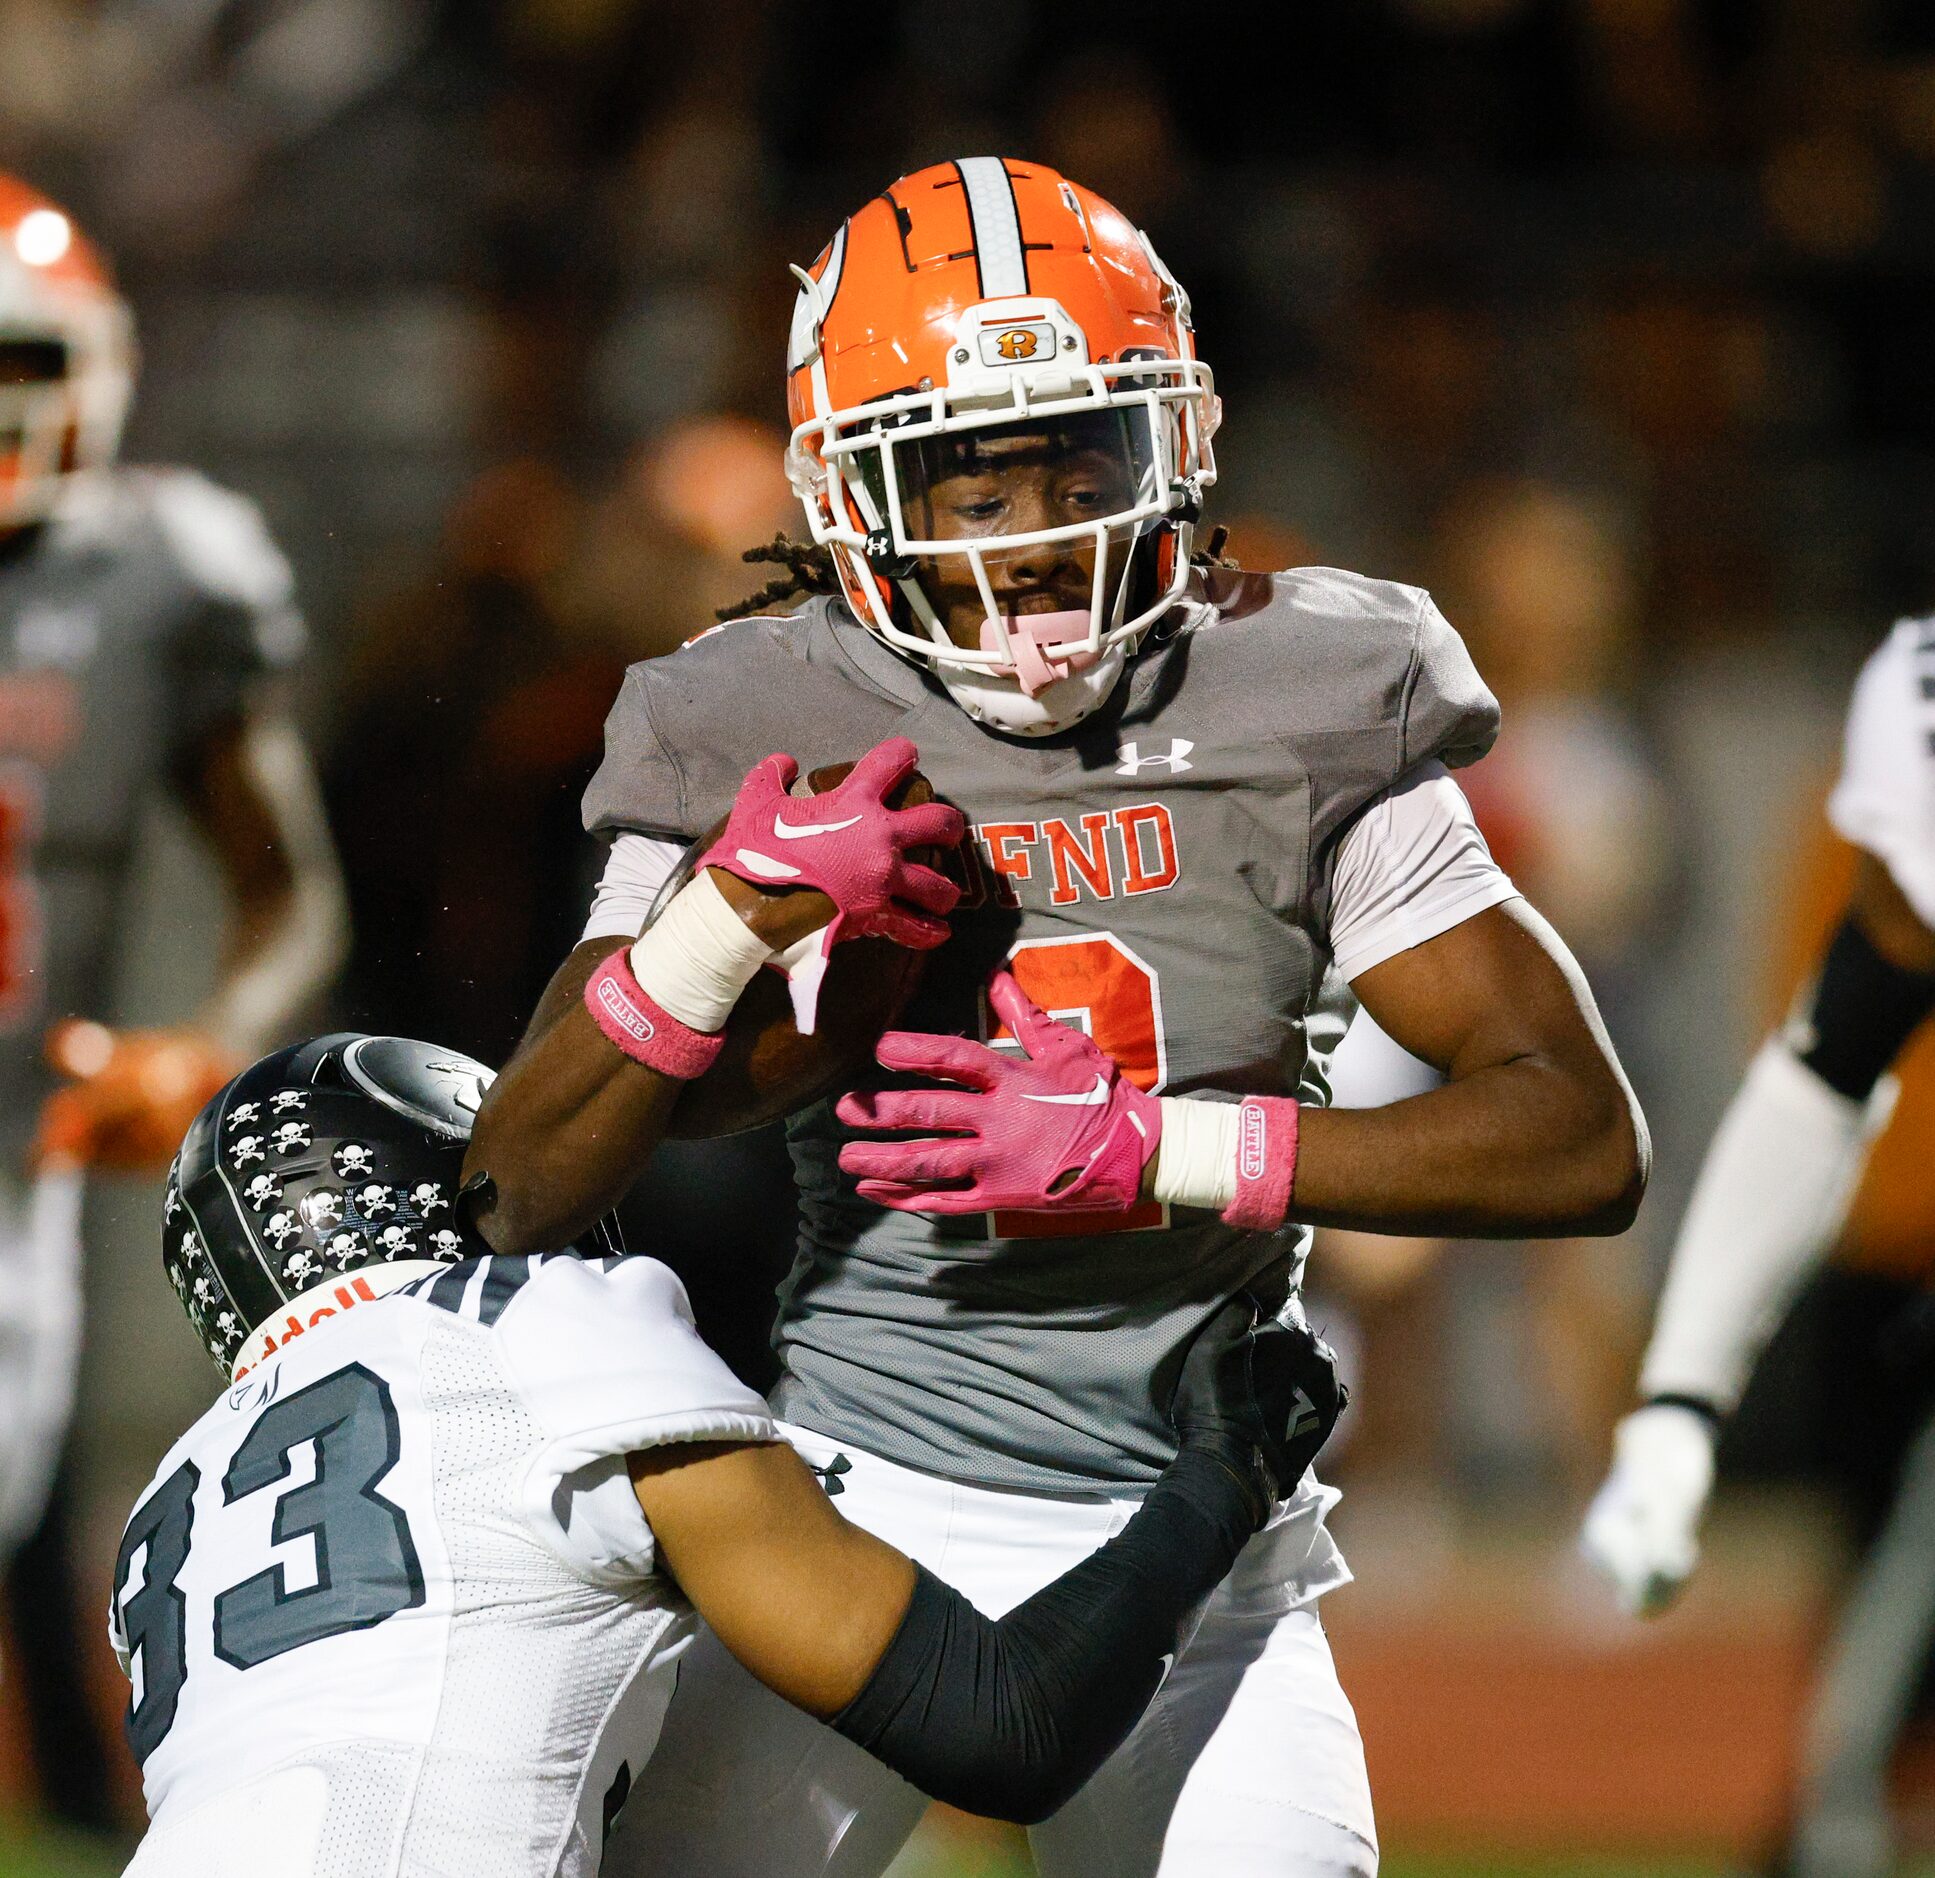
(1004, 705)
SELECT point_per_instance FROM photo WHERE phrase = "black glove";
(1259, 1393)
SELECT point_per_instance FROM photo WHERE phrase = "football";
(767, 1070)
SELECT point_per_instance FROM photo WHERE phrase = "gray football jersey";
(129, 625)
(1161, 876)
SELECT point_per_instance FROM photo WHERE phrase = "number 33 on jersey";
(406, 1553)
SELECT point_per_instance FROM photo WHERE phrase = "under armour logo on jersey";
(1175, 759)
(830, 1475)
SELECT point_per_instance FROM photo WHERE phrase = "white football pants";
(1248, 1763)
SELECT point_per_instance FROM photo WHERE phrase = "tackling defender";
(406, 1599)
(1208, 809)
(1769, 1203)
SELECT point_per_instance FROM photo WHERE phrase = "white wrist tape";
(1769, 1201)
(1196, 1157)
(698, 956)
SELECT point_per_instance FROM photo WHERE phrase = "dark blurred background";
(1609, 320)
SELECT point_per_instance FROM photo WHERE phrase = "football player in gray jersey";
(141, 613)
(1208, 810)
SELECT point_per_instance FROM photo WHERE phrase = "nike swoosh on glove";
(1061, 1130)
(1642, 1529)
(848, 844)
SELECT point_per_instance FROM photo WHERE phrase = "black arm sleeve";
(1863, 1008)
(1009, 1718)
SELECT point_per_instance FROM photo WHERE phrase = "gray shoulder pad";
(686, 728)
(219, 537)
(1363, 678)
(1366, 654)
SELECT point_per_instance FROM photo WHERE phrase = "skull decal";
(179, 1279)
(190, 1249)
(395, 1242)
(446, 1245)
(243, 1114)
(352, 1161)
(323, 1208)
(427, 1197)
(229, 1325)
(172, 1205)
(376, 1201)
(290, 1137)
(204, 1292)
(288, 1102)
(301, 1267)
(346, 1249)
(263, 1191)
(281, 1228)
(247, 1151)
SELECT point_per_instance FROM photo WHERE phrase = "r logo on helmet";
(1017, 345)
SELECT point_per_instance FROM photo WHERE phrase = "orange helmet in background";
(995, 294)
(66, 355)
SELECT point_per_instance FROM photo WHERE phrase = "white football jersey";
(1885, 800)
(389, 1607)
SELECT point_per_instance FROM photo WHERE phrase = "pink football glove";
(849, 845)
(1062, 1130)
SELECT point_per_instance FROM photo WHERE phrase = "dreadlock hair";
(810, 570)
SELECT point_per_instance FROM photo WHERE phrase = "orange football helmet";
(66, 355)
(976, 296)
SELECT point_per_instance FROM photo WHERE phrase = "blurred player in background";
(141, 612)
(1767, 1210)
(1205, 802)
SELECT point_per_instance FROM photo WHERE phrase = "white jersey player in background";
(144, 618)
(1769, 1204)
(392, 1608)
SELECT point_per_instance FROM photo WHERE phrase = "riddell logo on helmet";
(345, 1297)
(1016, 345)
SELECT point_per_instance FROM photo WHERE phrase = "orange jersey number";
(1097, 984)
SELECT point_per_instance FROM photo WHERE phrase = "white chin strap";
(1001, 703)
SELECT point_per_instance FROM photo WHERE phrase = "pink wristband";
(640, 1026)
(1266, 1163)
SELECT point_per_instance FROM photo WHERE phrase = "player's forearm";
(1010, 1718)
(285, 949)
(257, 802)
(568, 1125)
(1535, 1135)
(1525, 1149)
(1788, 1155)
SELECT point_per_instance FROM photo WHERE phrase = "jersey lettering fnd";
(131, 623)
(394, 1594)
(1161, 876)
(1885, 799)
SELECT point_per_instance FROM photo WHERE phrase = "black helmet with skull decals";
(319, 1160)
